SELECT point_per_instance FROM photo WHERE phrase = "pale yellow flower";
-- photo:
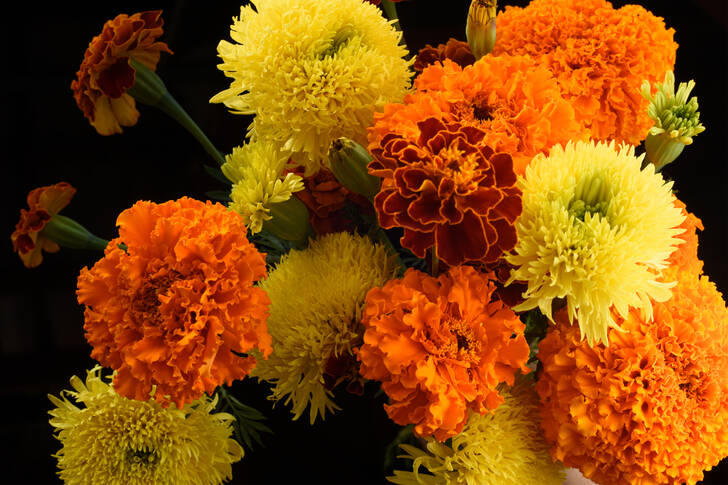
(113, 440)
(312, 72)
(505, 447)
(595, 230)
(256, 170)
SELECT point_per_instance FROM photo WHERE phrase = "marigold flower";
(175, 307)
(653, 406)
(595, 230)
(105, 73)
(599, 55)
(440, 347)
(517, 103)
(505, 447)
(43, 203)
(316, 297)
(312, 72)
(109, 439)
(256, 171)
(456, 50)
(449, 191)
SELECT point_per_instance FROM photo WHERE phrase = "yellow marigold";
(652, 407)
(113, 440)
(312, 72)
(596, 230)
(255, 169)
(599, 55)
(316, 297)
(440, 347)
(505, 447)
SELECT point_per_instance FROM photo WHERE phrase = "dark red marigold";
(447, 190)
(456, 50)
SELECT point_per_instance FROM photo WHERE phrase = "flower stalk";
(149, 89)
(68, 233)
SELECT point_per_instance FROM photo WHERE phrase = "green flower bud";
(480, 27)
(290, 221)
(348, 161)
(68, 233)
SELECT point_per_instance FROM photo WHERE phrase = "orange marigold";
(650, 408)
(43, 203)
(456, 50)
(447, 190)
(440, 346)
(599, 55)
(105, 73)
(177, 307)
(517, 103)
(684, 260)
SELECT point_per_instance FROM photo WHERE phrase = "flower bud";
(289, 221)
(480, 28)
(68, 233)
(348, 161)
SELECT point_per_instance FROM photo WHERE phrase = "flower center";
(463, 345)
(145, 456)
(592, 196)
(340, 39)
(145, 303)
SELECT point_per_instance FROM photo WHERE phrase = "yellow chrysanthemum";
(316, 297)
(255, 169)
(118, 441)
(505, 447)
(596, 230)
(312, 72)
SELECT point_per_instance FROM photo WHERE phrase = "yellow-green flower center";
(592, 196)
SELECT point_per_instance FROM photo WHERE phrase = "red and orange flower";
(43, 203)
(177, 307)
(652, 407)
(440, 347)
(599, 55)
(105, 73)
(447, 190)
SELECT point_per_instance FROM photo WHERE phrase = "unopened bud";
(480, 27)
(348, 161)
(290, 221)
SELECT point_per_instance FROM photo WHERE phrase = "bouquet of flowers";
(476, 238)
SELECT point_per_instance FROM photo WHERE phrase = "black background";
(46, 139)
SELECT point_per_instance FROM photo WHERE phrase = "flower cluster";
(422, 231)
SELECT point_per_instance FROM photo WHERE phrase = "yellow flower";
(595, 230)
(118, 441)
(316, 297)
(312, 72)
(505, 447)
(255, 170)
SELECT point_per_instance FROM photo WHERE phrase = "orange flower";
(515, 102)
(684, 261)
(105, 73)
(43, 203)
(440, 346)
(653, 406)
(600, 57)
(177, 308)
(447, 190)
(457, 51)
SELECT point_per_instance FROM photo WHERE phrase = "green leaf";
(217, 174)
(219, 195)
(249, 424)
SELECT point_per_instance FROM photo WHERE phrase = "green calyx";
(68, 233)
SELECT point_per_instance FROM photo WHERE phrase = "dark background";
(46, 139)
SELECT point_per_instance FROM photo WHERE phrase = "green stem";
(434, 263)
(149, 89)
(68, 233)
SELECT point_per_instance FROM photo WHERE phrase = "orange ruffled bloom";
(447, 190)
(456, 50)
(517, 103)
(105, 73)
(177, 307)
(599, 55)
(440, 346)
(653, 406)
(43, 203)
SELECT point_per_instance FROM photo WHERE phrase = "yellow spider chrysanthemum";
(595, 230)
(505, 447)
(255, 169)
(312, 72)
(113, 440)
(316, 297)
